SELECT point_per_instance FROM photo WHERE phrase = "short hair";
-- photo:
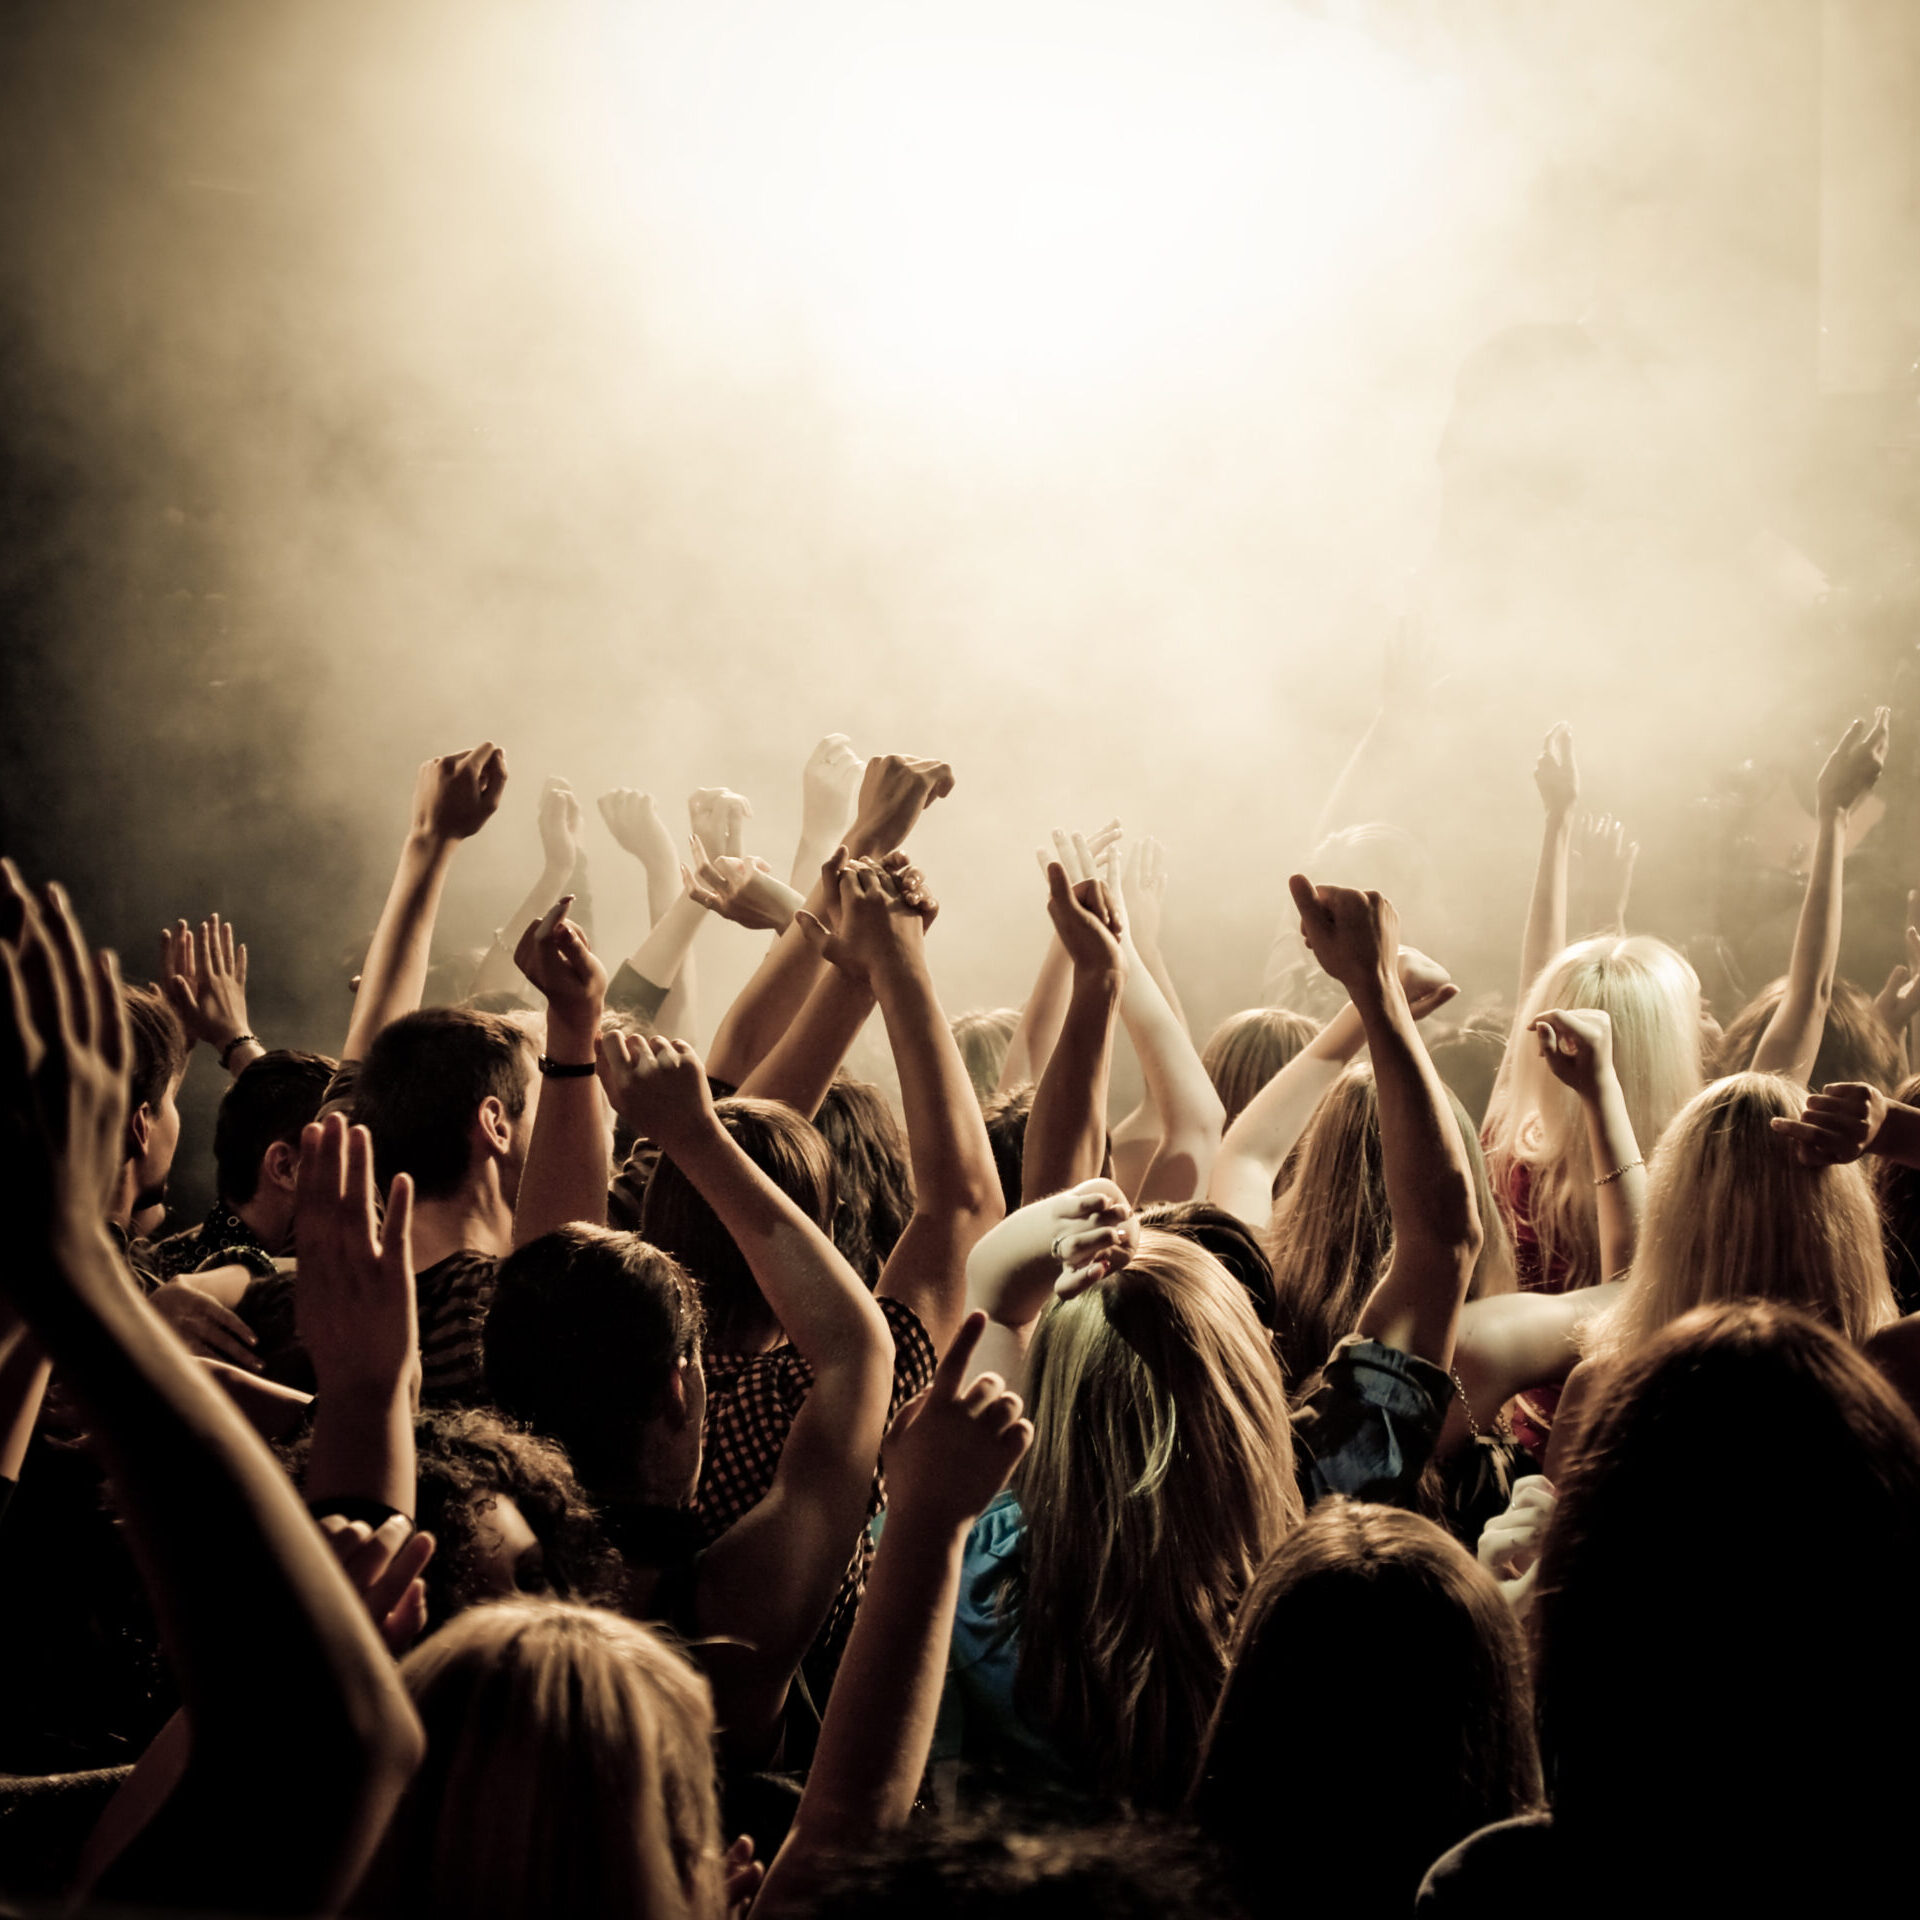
(269, 1102)
(158, 1051)
(585, 1328)
(422, 1082)
(677, 1220)
(873, 1182)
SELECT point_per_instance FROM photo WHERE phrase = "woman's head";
(1160, 1478)
(983, 1038)
(1247, 1049)
(569, 1772)
(1732, 1214)
(1652, 998)
(873, 1182)
(675, 1219)
(1725, 1595)
(593, 1339)
(1290, 1739)
(1855, 1044)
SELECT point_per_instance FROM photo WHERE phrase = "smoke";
(1081, 394)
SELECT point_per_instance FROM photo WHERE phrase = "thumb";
(1059, 893)
(812, 931)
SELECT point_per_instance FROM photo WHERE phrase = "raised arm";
(828, 784)
(561, 823)
(1557, 776)
(894, 791)
(302, 1736)
(453, 798)
(205, 982)
(1436, 1224)
(1791, 1042)
(767, 1583)
(948, 1453)
(1037, 1032)
(1577, 1046)
(565, 1178)
(1849, 1118)
(1066, 1139)
(354, 1305)
(879, 932)
(633, 818)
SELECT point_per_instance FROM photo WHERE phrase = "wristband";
(238, 1040)
(565, 1069)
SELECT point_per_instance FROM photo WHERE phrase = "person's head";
(1230, 1240)
(1855, 1044)
(157, 1063)
(448, 1095)
(983, 1038)
(1468, 1057)
(1652, 998)
(1732, 1214)
(872, 1181)
(1160, 1478)
(1703, 1669)
(1356, 1584)
(256, 1137)
(675, 1219)
(1247, 1049)
(569, 1772)
(593, 1339)
(1006, 1118)
(1897, 1189)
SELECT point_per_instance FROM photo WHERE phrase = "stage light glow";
(1002, 206)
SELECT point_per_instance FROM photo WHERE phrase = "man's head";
(158, 1063)
(446, 1093)
(256, 1139)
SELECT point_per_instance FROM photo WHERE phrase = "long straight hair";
(1652, 997)
(1160, 1478)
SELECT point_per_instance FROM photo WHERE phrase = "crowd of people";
(565, 1475)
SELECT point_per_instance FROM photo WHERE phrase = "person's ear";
(139, 1131)
(280, 1166)
(679, 1401)
(496, 1129)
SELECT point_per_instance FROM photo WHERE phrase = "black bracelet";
(238, 1040)
(565, 1069)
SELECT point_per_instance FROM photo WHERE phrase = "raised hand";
(952, 1448)
(205, 981)
(895, 791)
(1088, 918)
(742, 889)
(828, 784)
(1840, 1123)
(554, 955)
(1605, 860)
(1426, 983)
(1577, 1045)
(1145, 887)
(457, 794)
(634, 820)
(1854, 765)
(1088, 856)
(718, 816)
(1555, 773)
(1510, 1543)
(208, 1328)
(1898, 1002)
(869, 924)
(658, 1087)
(63, 1068)
(1099, 1233)
(353, 1293)
(561, 824)
(1348, 932)
(384, 1566)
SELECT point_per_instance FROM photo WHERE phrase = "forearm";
(1620, 1175)
(362, 1444)
(1037, 1032)
(799, 1068)
(497, 973)
(879, 1725)
(1546, 929)
(666, 949)
(1066, 1139)
(565, 1178)
(1155, 962)
(1899, 1136)
(947, 1146)
(24, 1373)
(1191, 1115)
(394, 975)
(1791, 1042)
(769, 1003)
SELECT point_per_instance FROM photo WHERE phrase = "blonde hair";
(1652, 997)
(1248, 1048)
(1331, 1231)
(569, 1772)
(1160, 1478)
(1733, 1215)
